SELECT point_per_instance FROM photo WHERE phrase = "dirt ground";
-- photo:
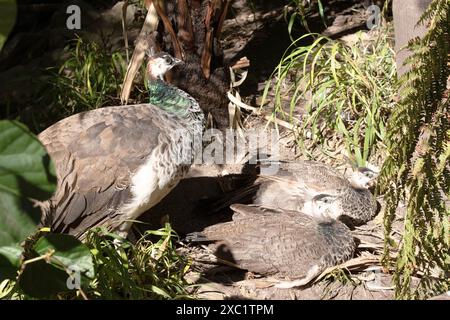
(364, 277)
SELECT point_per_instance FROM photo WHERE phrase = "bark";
(406, 15)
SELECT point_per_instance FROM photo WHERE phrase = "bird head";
(159, 63)
(337, 207)
(323, 207)
(363, 177)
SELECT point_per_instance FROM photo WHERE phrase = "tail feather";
(242, 196)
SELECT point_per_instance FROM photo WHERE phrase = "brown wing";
(254, 211)
(290, 187)
(95, 154)
(298, 182)
(316, 175)
(285, 243)
(284, 194)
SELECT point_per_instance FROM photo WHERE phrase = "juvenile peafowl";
(289, 246)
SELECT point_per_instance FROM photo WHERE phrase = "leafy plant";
(26, 172)
(303, 12)
(149, 269)
(27, 175)
(346, 88)
(90, 78)
(417, 171)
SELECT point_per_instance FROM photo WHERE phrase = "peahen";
(115, 163)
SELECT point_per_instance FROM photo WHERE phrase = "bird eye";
(168, 60)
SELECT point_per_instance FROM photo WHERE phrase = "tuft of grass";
(9, 290)
(90, 78)
(340, 88)
(149, 269)
(88, 75)
(304, 9)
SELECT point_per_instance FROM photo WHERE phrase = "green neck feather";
(169, 98)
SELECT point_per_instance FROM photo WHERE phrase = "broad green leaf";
(18, 219)
(64, 255)
(25, 172)
(25, 167)
(8, 13)
(68, 252)
(41, 280)
(9, 261)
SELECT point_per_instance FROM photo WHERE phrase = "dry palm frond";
(141, 46)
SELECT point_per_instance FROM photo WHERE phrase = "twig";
(282, 123)
(83, 294)
(241, 104)
(241, 63)
(45, 257)
(353, 263)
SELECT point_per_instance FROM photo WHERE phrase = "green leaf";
(9, 261)
(25, 172)
(41, 280)
(64, 255)
(25, 167)
(18, 219)
(68, 253)
(160, 291)
(322, 13)
(8, 13)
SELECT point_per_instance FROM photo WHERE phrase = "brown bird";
(297, 185)
(290, 246)
(115, 163)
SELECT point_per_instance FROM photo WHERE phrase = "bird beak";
(371, 185)
(177, 62)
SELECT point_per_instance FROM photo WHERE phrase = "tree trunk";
(406, 15)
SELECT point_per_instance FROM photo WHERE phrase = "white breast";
(160, 173)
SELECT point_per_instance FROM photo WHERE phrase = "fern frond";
(416, 172)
